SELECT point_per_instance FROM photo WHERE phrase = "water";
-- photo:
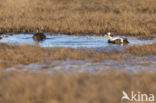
(97, 42)
(140, 63)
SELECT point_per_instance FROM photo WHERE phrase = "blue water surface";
(72, 41)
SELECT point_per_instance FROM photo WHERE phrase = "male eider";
(116, 40)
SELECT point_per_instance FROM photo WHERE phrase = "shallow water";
(97, 42)
(140, 63)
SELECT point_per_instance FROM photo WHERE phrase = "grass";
(128, 17)
(143, 50)
(12, 54)
(104, 87)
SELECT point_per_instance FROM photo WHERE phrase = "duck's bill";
(105, 35)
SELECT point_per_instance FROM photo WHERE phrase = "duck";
(0, 36)
(116, 40)
(39, 36)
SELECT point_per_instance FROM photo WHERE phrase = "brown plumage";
(39, 36)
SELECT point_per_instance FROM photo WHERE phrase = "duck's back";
(125, 40)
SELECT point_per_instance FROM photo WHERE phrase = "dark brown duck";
(39, 36)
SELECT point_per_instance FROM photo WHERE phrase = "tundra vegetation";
(103, 87)
(127, 17)
(26, 54)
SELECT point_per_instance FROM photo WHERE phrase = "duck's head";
(108, 34)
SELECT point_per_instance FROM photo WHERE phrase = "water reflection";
(96, 42)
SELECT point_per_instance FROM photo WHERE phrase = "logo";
(137, 97)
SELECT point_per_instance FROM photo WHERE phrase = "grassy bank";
(132, 17)
(104, 87)
(26, 54)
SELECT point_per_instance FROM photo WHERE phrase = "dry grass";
(104, 87)
(133, 17)
(11, 54)
(143, 50)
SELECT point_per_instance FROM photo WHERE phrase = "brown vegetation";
(104, 87)
(26, 54)
(133, 17)
(143, 50)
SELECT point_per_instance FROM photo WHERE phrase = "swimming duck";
(39, 36)
(1, 35)
(116, 40)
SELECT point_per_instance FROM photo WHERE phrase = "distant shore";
(134, 18)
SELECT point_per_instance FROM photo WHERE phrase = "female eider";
(39, 36)
(116, 40)
(1, 36)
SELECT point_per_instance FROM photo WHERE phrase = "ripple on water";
(89, 66)
(97, 42)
